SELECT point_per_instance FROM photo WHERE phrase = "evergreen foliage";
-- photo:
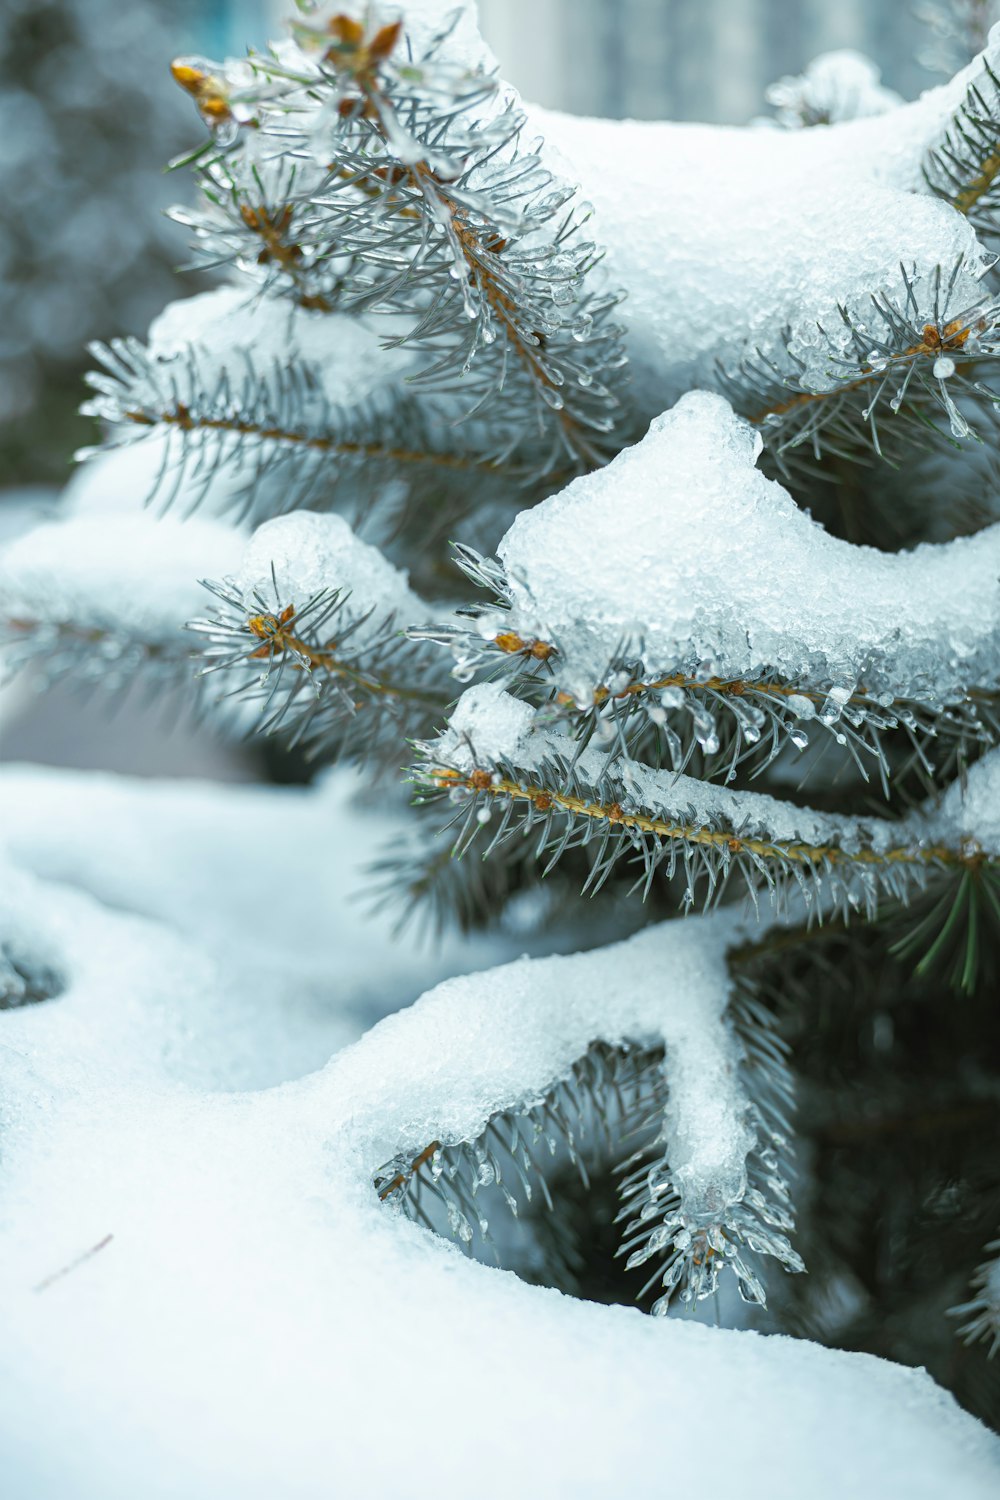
(368, 179)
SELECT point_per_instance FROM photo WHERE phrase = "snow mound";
(236, 326)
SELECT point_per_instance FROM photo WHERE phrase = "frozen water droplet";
(801, 707)
(704, 729)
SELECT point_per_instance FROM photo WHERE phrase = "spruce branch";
(889, 383)
(272, 432)
(689, 1256)
(982, 1312)
(611, 1111)
(335, 678)
(110, 658)
(429, 212)
(671, 714)
(963, 168)
(620, 811)
(953, 931)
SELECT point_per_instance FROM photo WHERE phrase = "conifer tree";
(628, 492)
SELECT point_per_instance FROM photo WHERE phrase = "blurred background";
(89, 117)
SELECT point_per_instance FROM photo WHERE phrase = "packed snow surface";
(682, 546)
(200, 1291)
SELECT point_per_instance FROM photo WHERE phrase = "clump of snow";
(308, 553)
(835, 86)
(133, 576)
(477, 1046)
(486, 724)
(683, 547)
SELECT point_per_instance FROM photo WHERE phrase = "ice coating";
(234, 1224)
(311, 553)
(124, 573)
(239, 326)
(683, 545)
(724, 236)
(488, 725)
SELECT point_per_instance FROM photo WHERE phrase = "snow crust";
(683, 546)
(311, 553)
(257, 1323)
(128, 574)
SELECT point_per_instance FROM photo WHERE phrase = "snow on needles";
(488, 725)
(130, 575)
(238, 324)
(307, 553)
(725, 237)
(683, 548)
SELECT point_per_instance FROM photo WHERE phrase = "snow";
(723, 237)
(970, 808)
(311, 553)
(200, 1292)
(265, 883)
(476, 1046)
(682, 545)
(236, 1312)
(130, 575)
(124, 479)
(236, 325)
